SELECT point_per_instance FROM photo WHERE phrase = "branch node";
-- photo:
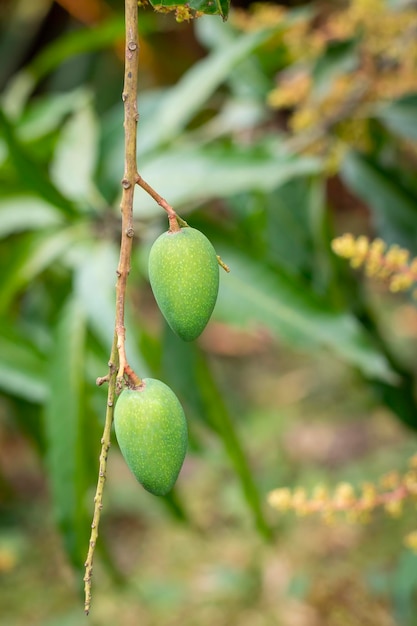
(102, 379)
(126, 184)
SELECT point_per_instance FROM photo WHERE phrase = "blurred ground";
(311, 422)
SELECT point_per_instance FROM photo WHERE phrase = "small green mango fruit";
(184, 276)
(151, 430)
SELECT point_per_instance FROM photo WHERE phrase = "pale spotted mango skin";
(184, 276)
(151, 431)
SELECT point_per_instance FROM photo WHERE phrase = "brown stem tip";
(223, 264)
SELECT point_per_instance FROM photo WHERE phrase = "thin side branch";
(174, 221)
(98, 498)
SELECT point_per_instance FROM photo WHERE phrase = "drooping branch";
(174, 220)
(105, 446)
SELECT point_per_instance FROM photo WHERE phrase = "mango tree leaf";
(185, 367)
(339, 57)
(394, 209)
(247, 79)
(402, 584)
(64, 48)
(96, 271)
(74, 43)
(46, 113)
(20, 213)
(191, 175)
(18, 38)
(400, 116)
(75, 155)
(31, 175)
(66, 430)
(179, 104)
(22, 367)
(252, 294)
(33, 254)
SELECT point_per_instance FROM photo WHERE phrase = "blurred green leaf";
(74, 43)
(400, 116)
(22, 367)
(253, 295)
(289, 241)
(190, 174)
(296, 232)
(247, 78)
(340, 57)
(33, 254)
(30, 173)
(186, 368)
(45, 113)
(179, 104)
(67, 432)
(20, 213)
(75, 156)
(96, 269)
(394, 208)
(16, 40)
(403, 585)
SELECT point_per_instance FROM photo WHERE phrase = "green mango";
(151, 430)
(184, 276)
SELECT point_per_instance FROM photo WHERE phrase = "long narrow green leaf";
(191, 174)
(20, 213)
(400, 116)
(178, 105)
(22, 368)
(74, 161)
(393, 207)
(97, 267)
(74, 43)
(187, 370)
(31, 175)
(32, 255)
(47, 112)
(66, 433)
(252, 294)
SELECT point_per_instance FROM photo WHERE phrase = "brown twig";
(174, 221)
(119, 367)
(222, 264)
(98, 498)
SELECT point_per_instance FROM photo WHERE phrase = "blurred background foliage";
(272, 133)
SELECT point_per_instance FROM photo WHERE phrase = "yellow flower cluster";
(357, 505)
(391, 264)
(183, 13)
(383, 65)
